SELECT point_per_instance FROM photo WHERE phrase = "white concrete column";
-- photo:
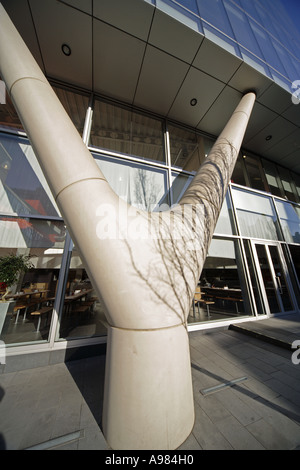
(144, 267)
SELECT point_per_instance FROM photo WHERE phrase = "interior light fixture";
(269, 137)
(193, 102)
(66, 49)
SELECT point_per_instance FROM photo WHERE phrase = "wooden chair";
(198, 300)
(39, 313)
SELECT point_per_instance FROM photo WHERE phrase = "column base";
(148, 397)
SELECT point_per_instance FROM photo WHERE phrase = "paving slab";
(60, 406)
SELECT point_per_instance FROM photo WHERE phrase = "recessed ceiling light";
(66, 49)
(269, 137)
(193, 102)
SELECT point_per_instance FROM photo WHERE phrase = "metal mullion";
(88, 121)
(61, 286)
(168, 162)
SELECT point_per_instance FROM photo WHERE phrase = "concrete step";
(276, 337)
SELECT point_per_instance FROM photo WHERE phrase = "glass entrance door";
(274, 278)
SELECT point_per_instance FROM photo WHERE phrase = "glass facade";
(253, 264)
(259, 32)
(149, 162)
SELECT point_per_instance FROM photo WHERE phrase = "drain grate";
(58, 441)
(217, 388)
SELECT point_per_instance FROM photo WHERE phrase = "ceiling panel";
(160, 79)
(293, 113)
(291, 160)
(215, 61)
(275, 98)
(286, 146)
(132, 16)
(278, 129)
(196, 85)
(217, 116)
(83, 5)
(58, 24)
(19, 12)
(260, 118)
(117, 67)
(246, 78)
(174, 37)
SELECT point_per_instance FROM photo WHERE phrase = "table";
(234, 295)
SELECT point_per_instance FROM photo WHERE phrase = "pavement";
(246, 393)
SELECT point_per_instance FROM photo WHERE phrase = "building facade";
(149, 85)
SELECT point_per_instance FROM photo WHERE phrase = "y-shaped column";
(145, 267)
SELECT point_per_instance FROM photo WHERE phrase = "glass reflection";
(120, 130)
(180, 183)
(31, 298)
(82, 313)
(8, 115)
(273, 179)
(75, 104)
(23, 187)
(289, 215)
(256, 215)
(222, 292)
(268, 280)
(255, 173)
(141, 186)
(188, 149)
(226, 224)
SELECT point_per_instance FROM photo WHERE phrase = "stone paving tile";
(237, 435)
(269, 437)
(206, 433)
(262, 412)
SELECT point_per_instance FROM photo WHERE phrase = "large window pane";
(120, 130)
(288, 185)
(292, 254)
(260, 308)
(23, 187)
(223, 285)
(296, 179)
(255, 173)
(216, 25)
(180, 183)
(287, 60)
(241, 29)
(256, 215)
(273, 179)
(188, 149)
(238, 175)
(267, 48)
(213, 12)
(225, 224)
(82, 313)
(32, 297)
(289, 215)
(8, 115)
(75, 104)
(141, 186)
